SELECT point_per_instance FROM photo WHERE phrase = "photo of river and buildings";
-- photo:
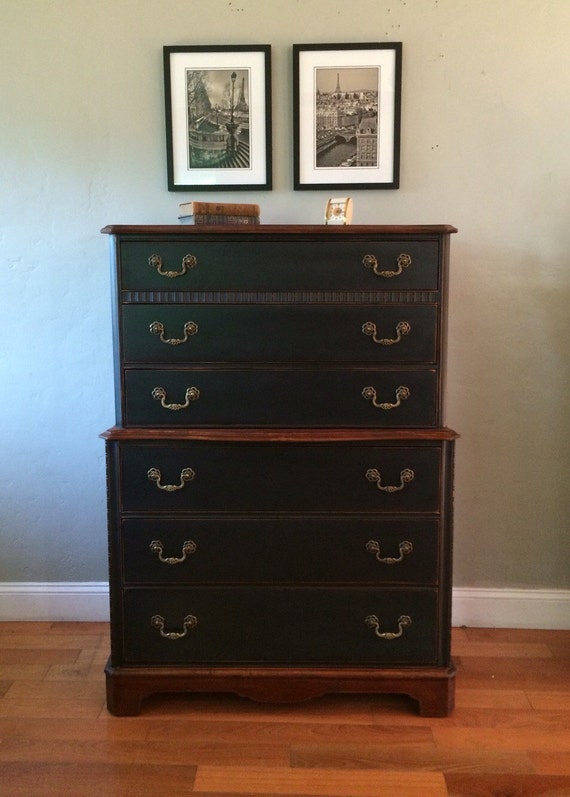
(218, 116)
(346, 117)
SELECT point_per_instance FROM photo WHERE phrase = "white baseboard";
(511, 608)
(82, 601)
(482, 608)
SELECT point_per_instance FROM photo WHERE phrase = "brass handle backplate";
(186, 475)
(157, 621)
(188, 261)
(404, 621)
(188, 547)
(402, 328)
(402, 393)
(405, 547)
(403, 261)
(192, 393)
(157, 328)
(406, 475)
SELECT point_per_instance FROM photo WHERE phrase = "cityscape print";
(346, 117)
(218, 118)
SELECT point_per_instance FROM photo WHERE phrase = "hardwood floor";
(509, 734)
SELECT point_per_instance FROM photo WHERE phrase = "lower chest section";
(279, 552)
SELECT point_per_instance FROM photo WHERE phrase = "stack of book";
(218, 213)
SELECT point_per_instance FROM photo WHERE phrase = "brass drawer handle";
(188, 547)
(402, 328)
(405, 547)
(157, 621)
(403, 261)
(186, 475)
(192, 393)
(406, 475)
(157, 328)
(402, 393)
(188, 261)
(403, 622)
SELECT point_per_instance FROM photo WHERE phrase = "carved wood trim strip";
(279, 297)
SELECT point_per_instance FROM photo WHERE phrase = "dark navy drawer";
(187, 333)
(280, 397)
(199, 263)
(280, 625)
(279, 550)
(259, 477)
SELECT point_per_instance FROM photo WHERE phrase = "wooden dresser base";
(432, 687)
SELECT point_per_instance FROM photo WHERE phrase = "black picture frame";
(347, 115)
(218, 117)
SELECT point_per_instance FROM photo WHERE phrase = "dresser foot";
(436, 698)
(124, 696)
(432, 687)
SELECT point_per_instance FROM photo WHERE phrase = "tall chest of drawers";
(279, 477)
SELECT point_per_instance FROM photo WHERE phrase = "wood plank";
(87, 779)
(502, 739)
(408, 758)
(111, 729)
(4, 687)
(52, 690)
(137, 752)
(55, 707)
(511, 650)
(19, 656)
(519, 635)
(101, 629)
(23, 672)
(222, 731)
(324, 782)
(519, 785)
(23, 628)
(492, 698)
(551, 762)
(11, 641)
(545, 721)
(550, 701)
(501, 672)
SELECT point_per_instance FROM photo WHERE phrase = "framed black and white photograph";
(347, 100)
(218, 117)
